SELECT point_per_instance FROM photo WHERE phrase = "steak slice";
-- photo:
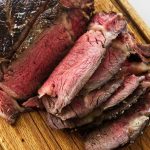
(16, 20)
(130, 84)
(71, 74)
(9, 109)
(25, 75)
(82, 105)
(115, 57)
(119, 132)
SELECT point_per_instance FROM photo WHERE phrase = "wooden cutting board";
(31, 131)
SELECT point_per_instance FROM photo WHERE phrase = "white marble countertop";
(143, 9)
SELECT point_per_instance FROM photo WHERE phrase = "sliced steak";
(130, 84)
(118, 110)
(9, 109)
(115, 57)
(99, 113)
(82, 105)
(71, 74)
(20, 80)
(119, 132)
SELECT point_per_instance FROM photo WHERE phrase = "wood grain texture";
(31, 131)
(135, 18)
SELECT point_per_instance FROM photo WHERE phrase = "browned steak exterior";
(16, 20)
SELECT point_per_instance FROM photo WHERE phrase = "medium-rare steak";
(9, 108)
(130, 84)
(82, 105)
(115, 57)
(119, 132)
(74, 71)
(79, 65)
(27, 73)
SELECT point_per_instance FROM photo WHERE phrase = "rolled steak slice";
(130, 84)
(119, 132)
(9, 109)
(25, 75)
(83, 105)
(84, 58)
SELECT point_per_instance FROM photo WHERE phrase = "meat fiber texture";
(120, 131)
(27, 73)
(81, 62)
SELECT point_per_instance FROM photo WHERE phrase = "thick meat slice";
(27, 73)
(115, 57)
(82, 105)
(9, 109)
(130, 84)
(117, 133)
(75, 70)
(16, 20)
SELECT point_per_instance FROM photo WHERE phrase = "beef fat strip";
(26, 74)
(84, 58)
(119, 132)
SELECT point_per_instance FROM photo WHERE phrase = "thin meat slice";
(115, 57)
(130, 84)
(25, 75)
(79, 65)
(117, 111)
(119, 132)
(9, 109)
(82, 105)
(98, 115)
